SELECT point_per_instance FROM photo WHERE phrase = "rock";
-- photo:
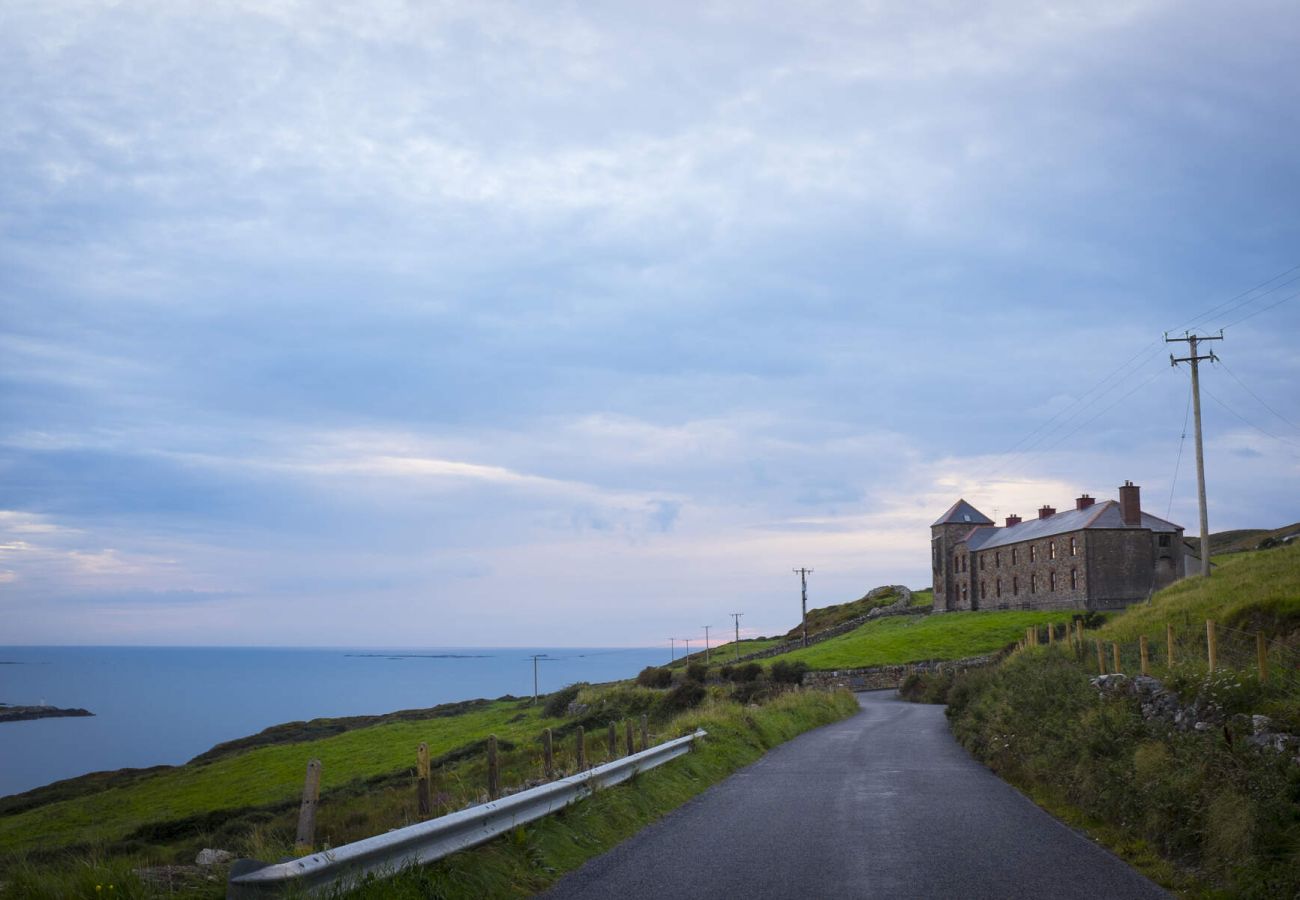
(577, 709)
(1260, 724)
(210, 857)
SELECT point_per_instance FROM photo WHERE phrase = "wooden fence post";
(306, 838)
(1051, 634)
(645, 732)
(582, 749)
(631, 743)
(1261, 656)
(1114, 651)
(1211, 644)
(1144, 651)
(423, 793)
(612, 740)
(494, 768)
(1101, 659)
(548, 752)
(1169, 639)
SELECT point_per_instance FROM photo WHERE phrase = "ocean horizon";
(166, 705)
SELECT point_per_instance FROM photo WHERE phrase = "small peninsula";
(23, 713)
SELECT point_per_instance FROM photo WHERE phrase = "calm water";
(168, 704)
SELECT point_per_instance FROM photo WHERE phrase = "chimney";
(1084, 502)
(1013, 521)
(1130, 504)
(1045, 511)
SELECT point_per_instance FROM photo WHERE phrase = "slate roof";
(962, 513)
(1099, 515)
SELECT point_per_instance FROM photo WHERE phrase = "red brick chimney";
(1012, 521)
(1130, 504)
(1084, 502)
(1045, 512)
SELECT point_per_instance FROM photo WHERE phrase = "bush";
(783, 672)
(684, 696)
(557, 704)
(926, 687)
(751, 691)
(655, 677)
(748, 672)
(697, 671)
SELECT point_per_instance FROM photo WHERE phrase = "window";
(997, 585)
(1051, 581)
(983, 591)
(1013, 556)
(1015, 585)
(1074, 547)
(963, 593)
(981, 564)
(1033, 584)
(1033, 552)
(1051, 549)
(997, 560)
(1074, 579)
(1164, 540)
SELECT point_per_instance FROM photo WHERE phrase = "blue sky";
(494, 324)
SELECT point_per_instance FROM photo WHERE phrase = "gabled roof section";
(962, 513)
(1102, 515)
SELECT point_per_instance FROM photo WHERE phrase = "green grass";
(1249, 591)
(923, 598)
(904, 639)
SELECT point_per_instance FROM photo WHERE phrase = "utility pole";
(706, 643)
(736, 618)
(1192, 340)
(688, 646)
(535, 657)
(672, 650)
(803, 583)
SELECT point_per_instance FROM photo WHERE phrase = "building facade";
(1096, 556)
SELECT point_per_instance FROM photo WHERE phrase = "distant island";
(23, 713)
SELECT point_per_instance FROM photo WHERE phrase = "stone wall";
(900, 607)
(1027, 582)
(878, 678)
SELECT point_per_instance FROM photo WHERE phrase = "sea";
(166, 705)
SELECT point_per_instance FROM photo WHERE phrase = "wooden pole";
(494, 768)
(645, 732)
(1144, 651)
(548, 753)
(306, 837)
(1101, 659)
(582, 750)
(1261, 656)
(423, 795)
(631, 745)
(1114, 650)
(1211, 644)
(613, 740)
(1051, 634)
(1169, 639)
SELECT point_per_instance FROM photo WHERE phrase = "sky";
(506, 324)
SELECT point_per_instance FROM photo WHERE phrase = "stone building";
(1095, 556)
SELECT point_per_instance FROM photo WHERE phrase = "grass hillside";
(826, 617)
(905, 639)
(1245, 539)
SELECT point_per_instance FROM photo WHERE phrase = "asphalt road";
(883, 805)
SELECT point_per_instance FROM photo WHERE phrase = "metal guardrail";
(336, 870)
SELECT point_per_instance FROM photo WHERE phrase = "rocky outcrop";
(900, 607)
(26, 713)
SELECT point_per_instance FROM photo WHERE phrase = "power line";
(1263, 309)
(1251, 424)
(1257, 396)
(1179, 461)
(1193, 322)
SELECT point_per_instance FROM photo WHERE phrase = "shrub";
(655, 677)
(748, 672)
(751, 691)
(926, 687)
(557, 704)
(783, 672)
(697, 671)
(684, 696)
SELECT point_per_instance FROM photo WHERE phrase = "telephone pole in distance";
(803, 584)
(535, 657)
(736, 618)
(1192, 340)
(706, 643)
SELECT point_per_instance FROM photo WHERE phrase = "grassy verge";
(904, 639)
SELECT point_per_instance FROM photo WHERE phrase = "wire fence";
(1185, 647)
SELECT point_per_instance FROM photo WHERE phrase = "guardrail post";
(306, 837)
(1211, 644)
(1114, 651)
(1261, 656)
(645, 732)
(1144, 653)
(1169, 640)
(548, 750)
(1101, 659)
(613, 740)
(493, 769)
(582, 749)
(423, 791)
(631, 744)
